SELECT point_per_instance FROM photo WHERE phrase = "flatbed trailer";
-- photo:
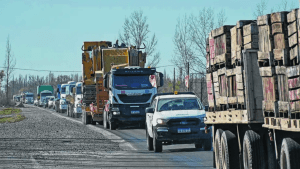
(253, 93)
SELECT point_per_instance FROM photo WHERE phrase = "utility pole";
(188, 71)
(174, 82)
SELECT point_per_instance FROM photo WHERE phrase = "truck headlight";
(162, 121)
(116, 113)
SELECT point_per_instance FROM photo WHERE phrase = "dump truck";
(116, 86)
(253, 75)
(42, 92)
(74, 101)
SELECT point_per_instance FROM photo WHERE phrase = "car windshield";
(178, 104)
(78, 90)
(131, 82)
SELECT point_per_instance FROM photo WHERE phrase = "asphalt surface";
(46, 139)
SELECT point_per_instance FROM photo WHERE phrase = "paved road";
(47, 139)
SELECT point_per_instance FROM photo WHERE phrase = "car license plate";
(135, 112)
(184, 130)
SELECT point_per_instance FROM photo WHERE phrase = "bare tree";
(136, 32)
(221, 16)
(260, 9)
(9, 65)
(183, 52)
(200, 26)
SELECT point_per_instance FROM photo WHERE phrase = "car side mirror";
(149, 110)
(206, 108)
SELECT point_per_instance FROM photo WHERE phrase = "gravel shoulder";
(41, 133)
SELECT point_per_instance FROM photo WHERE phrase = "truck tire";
(105, 124)
(253, 151)
(112, 126)
(93, 122)
(290, 154)
(149, 141)
(198, 145)
(157, 145)
(217, 148)
(229, 150)
(86, 119)
(207, 145)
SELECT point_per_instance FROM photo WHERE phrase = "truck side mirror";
(161, 80)
(57, 90)
(105, 81)
(206, 108)
(149, 110)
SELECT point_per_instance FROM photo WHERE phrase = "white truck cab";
(78, 98)
(176, 119)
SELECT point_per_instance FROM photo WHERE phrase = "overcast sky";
(49, 34)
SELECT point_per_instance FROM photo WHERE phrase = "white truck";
(74, 101)
(43, 96)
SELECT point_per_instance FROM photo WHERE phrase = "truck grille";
(134, 99)
(182, 122)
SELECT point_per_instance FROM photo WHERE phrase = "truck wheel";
(93, 122)
(105, 124)
(253, 151)
(85, 119)
(112, 126)
(149, 141)
(157, 145)
(217, 148)
(229, 150)
(207, 145)
(290, 154)
(198, 145)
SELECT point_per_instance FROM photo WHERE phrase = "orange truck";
(116, 87)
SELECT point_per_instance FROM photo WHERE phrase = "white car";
(176, 119)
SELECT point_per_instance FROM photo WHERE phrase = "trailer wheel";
(217, 148)
(253, 151)
(149, 141)
(157, 145)
(290, 154)
(229, 150)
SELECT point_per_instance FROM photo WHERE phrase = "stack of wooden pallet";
(278, 58)
(225, 83)
(293, 72)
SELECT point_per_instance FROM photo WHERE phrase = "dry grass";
(15, 115)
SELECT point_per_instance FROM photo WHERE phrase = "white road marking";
(112, 137)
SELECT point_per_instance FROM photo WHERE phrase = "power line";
(42, 70)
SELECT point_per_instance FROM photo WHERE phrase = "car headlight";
(162, 121)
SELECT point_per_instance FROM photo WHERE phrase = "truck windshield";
(178, 104)
(46, 94)
(78, 90)
(29, 95)
(63, 90)
(131, 82)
